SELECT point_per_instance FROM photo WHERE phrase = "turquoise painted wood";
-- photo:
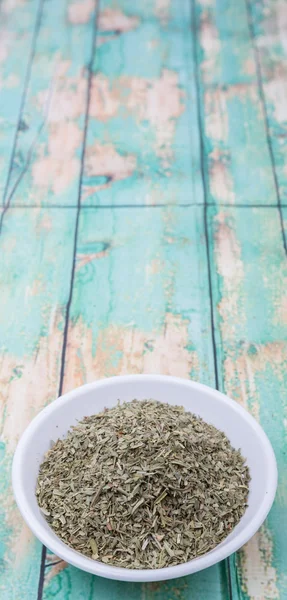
(120, 121)
(268, 25)
(134, 311)
(143, 139)
(49, 145)
(35, 281)
(236, 151)
(248, 279)
(18, 34)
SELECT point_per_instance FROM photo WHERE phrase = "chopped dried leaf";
(143, 485)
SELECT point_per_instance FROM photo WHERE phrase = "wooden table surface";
(143, 229)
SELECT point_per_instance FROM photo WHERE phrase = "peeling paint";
(258, 574)
(155, 267)
(269, 23)
(6, 39)
(17, 23)
(46, 223)
(210, 44)
(42, 367)
(160, 102)
(221, 184)
(67, 93)
(233, 116)
(230, 268)
(81, 12)
(162, 10)
(276, 91)
(249, 66)
(54, 169)
(280, 316)
(216, 115)
(115, 20)
(241, 367)
(151, 102)
(31, 342)
(21, 541)
(105, 101)
(18, 381)
(126, 350)
(250, 265)
(216, 108)
(242, 371)
(84, 259)
(54, 571)
(104, 162)
(8, 6)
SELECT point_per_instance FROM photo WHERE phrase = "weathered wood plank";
(35, 283)
(152, 312)
(42, 168)
(18, 32)
(268, 22)
(140, 304)
(143, 145)
(249, 289)
(71, 584)
(49, 145)
(236, 152)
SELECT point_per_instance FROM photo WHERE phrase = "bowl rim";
(84, 563)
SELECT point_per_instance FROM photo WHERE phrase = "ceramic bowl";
(215, 408)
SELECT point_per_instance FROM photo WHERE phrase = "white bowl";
(215, 408)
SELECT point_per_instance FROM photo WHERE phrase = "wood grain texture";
(143, 143)
(258, 572)
(135, 310)
(249, 281)
(19, 25)
(71, 584)
(236, 152)
(268, 22)
(35, 282)
(177, 104)
(49, 146)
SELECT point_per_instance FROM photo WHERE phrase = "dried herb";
(143, 485)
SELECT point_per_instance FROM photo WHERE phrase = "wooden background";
(143, 172)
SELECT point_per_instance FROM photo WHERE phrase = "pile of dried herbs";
(143, 485)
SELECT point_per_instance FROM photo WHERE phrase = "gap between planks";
(141, 206)
(72, 276)
(265, 117)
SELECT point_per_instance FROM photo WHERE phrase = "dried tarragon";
(143, 485)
